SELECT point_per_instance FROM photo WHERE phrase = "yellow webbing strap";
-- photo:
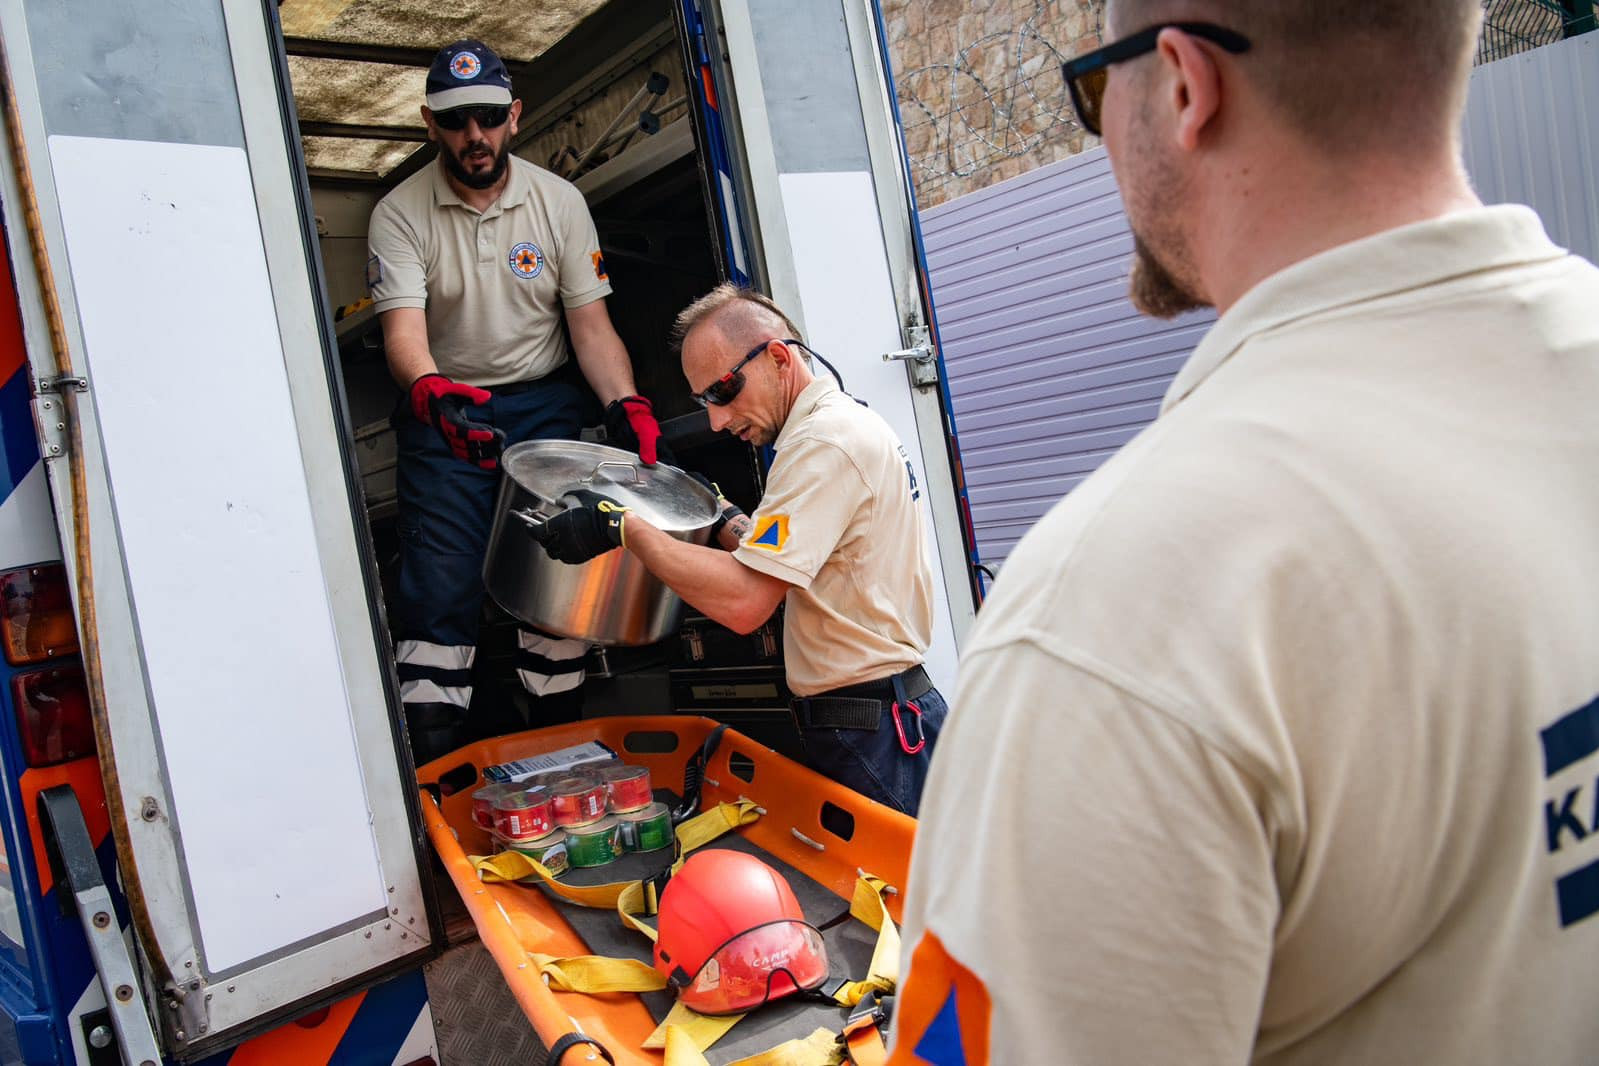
(883, 973)
(821, 1048)
(696, 832)
(597, 973)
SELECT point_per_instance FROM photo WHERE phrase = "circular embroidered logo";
(465, 65)
(526, 261)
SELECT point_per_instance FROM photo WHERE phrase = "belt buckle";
(899, 727)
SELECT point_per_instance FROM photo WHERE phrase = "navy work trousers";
(446, 511)
(873, 762)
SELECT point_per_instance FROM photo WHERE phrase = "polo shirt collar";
(806, 402)
(515, 191)
(1397, 260)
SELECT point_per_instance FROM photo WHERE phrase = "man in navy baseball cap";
(470, 112)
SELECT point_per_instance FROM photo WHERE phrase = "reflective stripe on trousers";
(548, 665)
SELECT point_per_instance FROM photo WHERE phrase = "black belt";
(858, 706)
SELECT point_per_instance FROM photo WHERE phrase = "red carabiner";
(899, 727)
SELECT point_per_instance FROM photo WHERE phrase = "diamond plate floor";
(475, 1016)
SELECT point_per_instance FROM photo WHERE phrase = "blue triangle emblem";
(940, 1045)
(768, 536)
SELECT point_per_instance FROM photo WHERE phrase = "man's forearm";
(708, 579)
(405, 345)
(606, 368)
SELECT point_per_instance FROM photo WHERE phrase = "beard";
(1165, 281)
(1156, 291)
(481, 179)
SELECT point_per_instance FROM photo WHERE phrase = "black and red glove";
(630, 423)
(441, 403)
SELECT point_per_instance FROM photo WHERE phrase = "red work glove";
(630, 423)
(441, 403)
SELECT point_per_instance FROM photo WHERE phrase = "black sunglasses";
(725, 388)
(1087, 74)
(487, 117)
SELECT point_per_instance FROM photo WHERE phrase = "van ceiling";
(358, 68)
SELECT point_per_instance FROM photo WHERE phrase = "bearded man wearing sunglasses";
(477, 263)
(838, 538)
(1278, 736)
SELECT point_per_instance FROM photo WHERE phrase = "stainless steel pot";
(612, 599)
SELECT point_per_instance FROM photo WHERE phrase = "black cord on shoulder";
(836, 375)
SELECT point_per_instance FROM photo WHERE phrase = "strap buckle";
(905, 743)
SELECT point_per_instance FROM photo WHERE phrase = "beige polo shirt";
(494, 285)
(840, 522)
(1278, 738)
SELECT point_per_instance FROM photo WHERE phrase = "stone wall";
(980, 92)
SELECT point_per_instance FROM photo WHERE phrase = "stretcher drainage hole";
(457, 778)
(838, 821)
(742, 765)
(652, 742)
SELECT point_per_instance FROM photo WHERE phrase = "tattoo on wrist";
(736, 530)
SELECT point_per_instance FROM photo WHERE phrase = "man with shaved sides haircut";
(1277, 740)
(838, 538)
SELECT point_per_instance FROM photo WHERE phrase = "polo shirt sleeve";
(582, 264)
(813, 493)
(395, 273)
(1092, 881)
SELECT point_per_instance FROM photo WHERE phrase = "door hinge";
(50, 415)
(918, 358)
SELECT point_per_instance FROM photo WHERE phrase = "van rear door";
(803, 105)
(267, 802)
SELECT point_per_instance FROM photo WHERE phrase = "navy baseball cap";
(467, 73)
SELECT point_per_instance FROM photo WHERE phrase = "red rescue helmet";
(732, 935)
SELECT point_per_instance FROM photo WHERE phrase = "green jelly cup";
(647, 830)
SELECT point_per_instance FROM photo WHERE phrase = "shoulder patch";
(374, 273)
(599, 266)
(770, 532)
(943, 1012)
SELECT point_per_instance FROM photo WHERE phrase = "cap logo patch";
(526, 261)
(465, 65)
(770, 533)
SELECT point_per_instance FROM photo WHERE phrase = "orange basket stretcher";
(814, 825)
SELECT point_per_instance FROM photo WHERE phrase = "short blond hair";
(740, 314)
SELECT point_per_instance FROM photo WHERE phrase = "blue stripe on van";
(18, 442)
(382, 1022)
(1574, 737)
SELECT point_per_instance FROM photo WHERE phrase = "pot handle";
(629, 467)
(534, 522)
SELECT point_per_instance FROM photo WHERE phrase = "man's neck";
(1270, 218)
(479, 200)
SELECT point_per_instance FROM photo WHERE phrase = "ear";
(427, 120)
(516, 113)
(1193, 81)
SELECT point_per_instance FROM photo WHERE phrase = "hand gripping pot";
(732, 935)
(613, 598)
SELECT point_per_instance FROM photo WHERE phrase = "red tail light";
(36, 621)
(53, 714)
